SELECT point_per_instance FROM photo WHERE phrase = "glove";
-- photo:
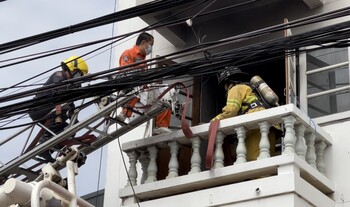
(58, 119)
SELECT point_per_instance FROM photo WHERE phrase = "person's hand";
(58, 119)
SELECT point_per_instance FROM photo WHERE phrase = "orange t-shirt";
(132, 55)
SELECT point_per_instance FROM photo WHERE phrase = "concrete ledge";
(273, 115)
(232, 174)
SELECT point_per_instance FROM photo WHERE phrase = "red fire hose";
(213, 129)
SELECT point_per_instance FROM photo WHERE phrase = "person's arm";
(125, 59)
(234, 101)
(60, 109)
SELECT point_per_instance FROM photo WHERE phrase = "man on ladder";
(56, 122)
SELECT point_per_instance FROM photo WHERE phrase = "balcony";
(294, 177)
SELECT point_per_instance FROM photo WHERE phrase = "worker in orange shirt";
(137, 53)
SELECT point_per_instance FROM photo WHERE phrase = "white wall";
(338, 155)
(338, 161)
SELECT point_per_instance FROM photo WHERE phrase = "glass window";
(328, 90)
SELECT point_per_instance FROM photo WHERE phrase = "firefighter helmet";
(232, 74)
(76, 63)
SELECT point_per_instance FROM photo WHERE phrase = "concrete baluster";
(310, 152)
(300, 144)
(264, 143)
(289, 137)
(152, 167)
(320, 163)
(196, 157)
(241, 150)
(219, 153)
(144, 160)
(132, 168)
(173, 162)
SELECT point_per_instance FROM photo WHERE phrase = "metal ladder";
(27, 167)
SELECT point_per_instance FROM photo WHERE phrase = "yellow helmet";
(75, 62)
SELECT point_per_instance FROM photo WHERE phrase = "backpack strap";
(252, 105)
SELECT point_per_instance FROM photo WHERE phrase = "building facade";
(312, 83)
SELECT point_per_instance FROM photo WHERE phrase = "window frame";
(345, 115)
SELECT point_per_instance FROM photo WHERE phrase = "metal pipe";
(4, 199)
(71, 180)
(59, 190)
(71, 176)
(18, 192)
(15, 192)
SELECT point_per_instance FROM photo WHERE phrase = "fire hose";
(213, 129)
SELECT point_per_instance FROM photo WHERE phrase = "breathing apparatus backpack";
(264, 93)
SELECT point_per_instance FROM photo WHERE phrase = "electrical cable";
(139, 10)
(99, 41)
(275, 48)
(127, 173)
(289, 23)
(100, 164)
(99, 176)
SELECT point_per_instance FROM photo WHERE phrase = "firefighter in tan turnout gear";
(241, 99)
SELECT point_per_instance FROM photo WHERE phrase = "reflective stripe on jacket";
(239, 97)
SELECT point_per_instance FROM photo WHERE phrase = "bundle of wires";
(130, 76)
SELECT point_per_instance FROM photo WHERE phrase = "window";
(327, 81)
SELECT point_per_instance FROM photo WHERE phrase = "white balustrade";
(310, 152)
(152, 167)
(144, 160)
(300, 144)
(299, 138)
(289, 137)
(173, 163)
(196, 157)
(132, 168)
(219, 153)
(241, 147)
(320, 163)
(264, 143)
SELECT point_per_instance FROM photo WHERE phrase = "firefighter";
(137, 53)
(242, 100)
(55, 117)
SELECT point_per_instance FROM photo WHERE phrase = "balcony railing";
(297, 173)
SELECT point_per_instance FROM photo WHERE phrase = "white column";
(144, 160)
(196, 157)
(300, 145)
(264, 143)
(219, 153)
(320, 163)
(152, 167)
(173, 162)
(310, 152)
(241, 150)
(132, 168)
(289, 137)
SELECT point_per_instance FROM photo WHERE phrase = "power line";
(130, 76)
(142, 9)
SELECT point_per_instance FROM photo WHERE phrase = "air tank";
(265, 91)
